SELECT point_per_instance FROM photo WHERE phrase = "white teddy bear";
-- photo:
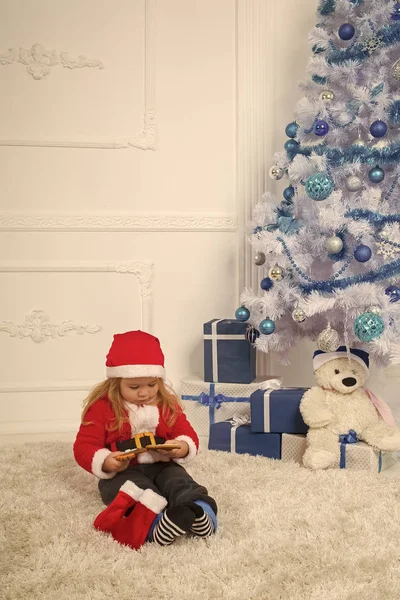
(340, 404)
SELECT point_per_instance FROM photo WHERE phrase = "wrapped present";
(228, 356)
(357, 455)
(207, 402)
(277, 411)
(360, 456)
(232, 436)
(293, 447)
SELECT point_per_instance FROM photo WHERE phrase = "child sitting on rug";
(134, 409)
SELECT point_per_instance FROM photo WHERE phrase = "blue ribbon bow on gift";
(344, 439)
(211, 400)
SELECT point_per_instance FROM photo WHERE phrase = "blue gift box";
(229, 438)
(228, 356)
(277, 411)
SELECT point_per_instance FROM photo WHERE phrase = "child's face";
(139, 390)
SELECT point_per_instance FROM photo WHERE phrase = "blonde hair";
(110, 390)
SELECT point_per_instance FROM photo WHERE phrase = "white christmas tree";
(329, 251)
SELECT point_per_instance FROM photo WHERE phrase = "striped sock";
(203, 525)
(175, 522)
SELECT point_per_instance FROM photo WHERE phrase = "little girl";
(134, 408)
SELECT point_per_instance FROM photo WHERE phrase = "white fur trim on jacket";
(131, 489)
(97, 462)
(130, 371)
(322, 359)
(192, 449)
(153, 501)
(143, 418)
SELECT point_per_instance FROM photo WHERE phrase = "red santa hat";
(135, 354)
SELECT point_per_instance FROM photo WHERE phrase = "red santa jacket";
(94, 441)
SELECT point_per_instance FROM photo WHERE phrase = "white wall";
(118, 191)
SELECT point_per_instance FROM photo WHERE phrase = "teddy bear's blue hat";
(360, 356)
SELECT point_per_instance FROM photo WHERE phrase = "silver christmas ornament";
(298, 315)
(328, 340)
(276, 172)
(276, 273)
(353, 183)
(259, 259)
(327, 96)
(334, 244)
(396, 70)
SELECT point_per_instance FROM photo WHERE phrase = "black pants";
(168, 479)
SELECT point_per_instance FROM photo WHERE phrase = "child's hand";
(177, 452)
(111, 465)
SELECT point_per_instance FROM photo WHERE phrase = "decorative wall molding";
(38, 427)
(142, 269)
(145, 139)
(57, 386)
(39, 60)
(38, 327)
(115, 222)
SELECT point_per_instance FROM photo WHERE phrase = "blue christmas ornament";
(396, 12)
(376, 175)
(266, 284)
(378, 129)
(291, 130)
(369, 326)
(319, 186)
(267, 326)
(393, 292)
(346, 32)
(252, 334)
(362, 253)
(320, 127)
(242, 314)
(288, 193)
(291, 145)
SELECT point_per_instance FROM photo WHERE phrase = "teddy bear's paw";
(389, 443)
(318, 459)
(322, 421)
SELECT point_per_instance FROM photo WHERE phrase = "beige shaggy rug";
(285, 533)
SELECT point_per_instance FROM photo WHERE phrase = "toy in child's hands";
(129, 454)
(339, 404)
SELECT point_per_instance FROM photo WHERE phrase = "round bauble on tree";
(320, 127)
(266, 284)
(276, 273)
(259, 259)
(362, 253)
(288, 193)
(291, 145)
(276, 173)
(242, 314)
(267, 326)
(252, 335)
(396, 12)
(328, 340)
(346, 32)
(393, 291)
(334, 244)
(319, 186)
(353, 183)
(327, 96)
(298, 315)
(378, 129)
(369, 327)
(291, 130)
(376, 175)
